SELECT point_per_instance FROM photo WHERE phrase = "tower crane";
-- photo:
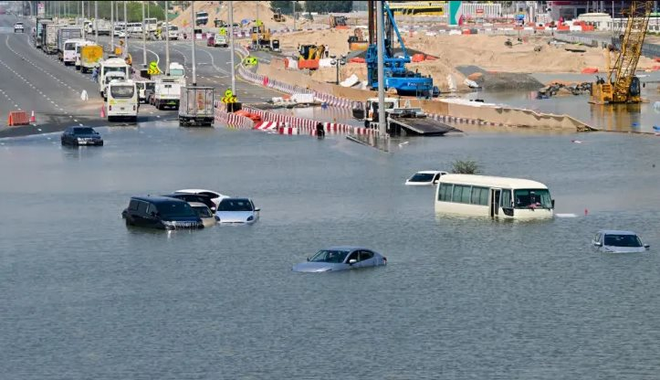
(621, 85)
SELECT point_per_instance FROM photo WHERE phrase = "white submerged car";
(213, 195)
(613, 241)
(237, 211)
(425, 178)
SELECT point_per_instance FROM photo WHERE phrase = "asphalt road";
(31, 80)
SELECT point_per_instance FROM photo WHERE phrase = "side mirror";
(257, 209)
(553, 203)
(153, 214)
(308, 259)
(213, 209)
(647, 246)
(598, 244)
(352, 261)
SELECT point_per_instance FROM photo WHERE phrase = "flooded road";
(83, 296)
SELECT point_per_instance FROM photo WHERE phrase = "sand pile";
(243, 10)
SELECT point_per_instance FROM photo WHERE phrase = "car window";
(203, 212)
(133, 205)
(622, 241)
(142, 207)
(366, 255)
(353, 256)
(329, 256)
(209, 194)
(421, 177)
(235, 205)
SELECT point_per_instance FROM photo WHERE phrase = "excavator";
(338, 22)
(277, 15)
(357, 41)
(621, 85)
(309, 56)
(261, 38)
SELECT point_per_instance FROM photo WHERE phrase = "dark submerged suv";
(161, 212)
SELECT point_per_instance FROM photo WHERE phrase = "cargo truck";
(90, 56)
(196, 106)
(49, 38)
(40, 25)
(67, 33)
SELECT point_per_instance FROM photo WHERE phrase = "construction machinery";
(309, 56)
(396, 75)
(277, 15)
(621, 85)
(261, 38)
(357, 41)
(338, 22)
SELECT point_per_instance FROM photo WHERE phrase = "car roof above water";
(346, 248)
(157, 199)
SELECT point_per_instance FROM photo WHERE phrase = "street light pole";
(231, 42)
(167, 38)
(382, 125)
(96, 22)
(82, 3)
(293, 12)
(125, 50)
(112, 26)
(144, 39)
(192, 17)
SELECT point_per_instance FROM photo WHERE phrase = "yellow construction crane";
(621, 85)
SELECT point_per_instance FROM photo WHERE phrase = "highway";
(31, 81)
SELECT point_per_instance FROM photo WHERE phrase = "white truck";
(49, 39)
(110, 67)
(167, 93)
(196, 106)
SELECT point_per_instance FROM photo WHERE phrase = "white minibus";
(122, 101)
(69, 54)
(496, 197)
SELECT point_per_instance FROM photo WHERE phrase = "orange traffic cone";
(103, 111)
(33, 119)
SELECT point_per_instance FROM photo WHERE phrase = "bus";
(495, 197)
(122, 101)
(134, 27)
(111, 65)
(201, 18)
(150, 25)
(70, 50)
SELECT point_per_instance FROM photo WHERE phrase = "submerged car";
(213, 195)
(161, 213)
(81, 136)
(237, 210)
(204, 213)
(425, 178)
(193, 198)
(341, 258)
(618, 242)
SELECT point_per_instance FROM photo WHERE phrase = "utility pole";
(231, 42)
(167, 38)
(144, 39)
(125, 50)
(382, 122)
(96, 22)
(82, 3)
(192, 17)
(112, 26)
(258, 28)
(293, 12)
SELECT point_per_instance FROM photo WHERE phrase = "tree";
(465, 167)
(329, 6)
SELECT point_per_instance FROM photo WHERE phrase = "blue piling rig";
(396, 74)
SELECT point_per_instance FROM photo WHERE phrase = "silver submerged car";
(237, 211)
(341, 258)
(614, 241)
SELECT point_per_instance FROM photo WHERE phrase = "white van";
(69, 54)
(122, 100)
(496, 197)
(111, 65)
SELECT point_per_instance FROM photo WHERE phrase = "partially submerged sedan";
(237, 211)
(77, 136)
(613, 241)
(341, 258)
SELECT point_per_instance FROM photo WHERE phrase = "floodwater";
(84, 297)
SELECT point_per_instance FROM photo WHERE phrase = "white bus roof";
(114, 62)
(488, 181)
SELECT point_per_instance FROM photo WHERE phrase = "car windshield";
(532, 198)
(122, 91)
(175, 210)
(235, 205)
(203, 211)
(622, 241)
(83, 131)
(176, 72)
(329, 256)
(422, 177)
(70, 46)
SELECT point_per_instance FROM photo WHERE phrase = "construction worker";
(95, 74)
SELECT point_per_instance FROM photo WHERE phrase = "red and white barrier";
(232, 120)
(267, 126)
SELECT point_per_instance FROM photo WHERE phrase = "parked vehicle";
(613, 241)
(213, 195)
(167, 92)
(122, 100)
(70, 49)
(40, 26)
(369, 111)
(90, 56)
(144, 87)
(64, 34)
(18, 27)
(76, 136)
(196, 106)
(205, 214)
(49, 38)
(497, 197)
(194, 198)
(161, 213)
(341, 258)
(210, 40)
(111, 65)
(425, 178)
(173, 32)
(220, 40)
(237, 210)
